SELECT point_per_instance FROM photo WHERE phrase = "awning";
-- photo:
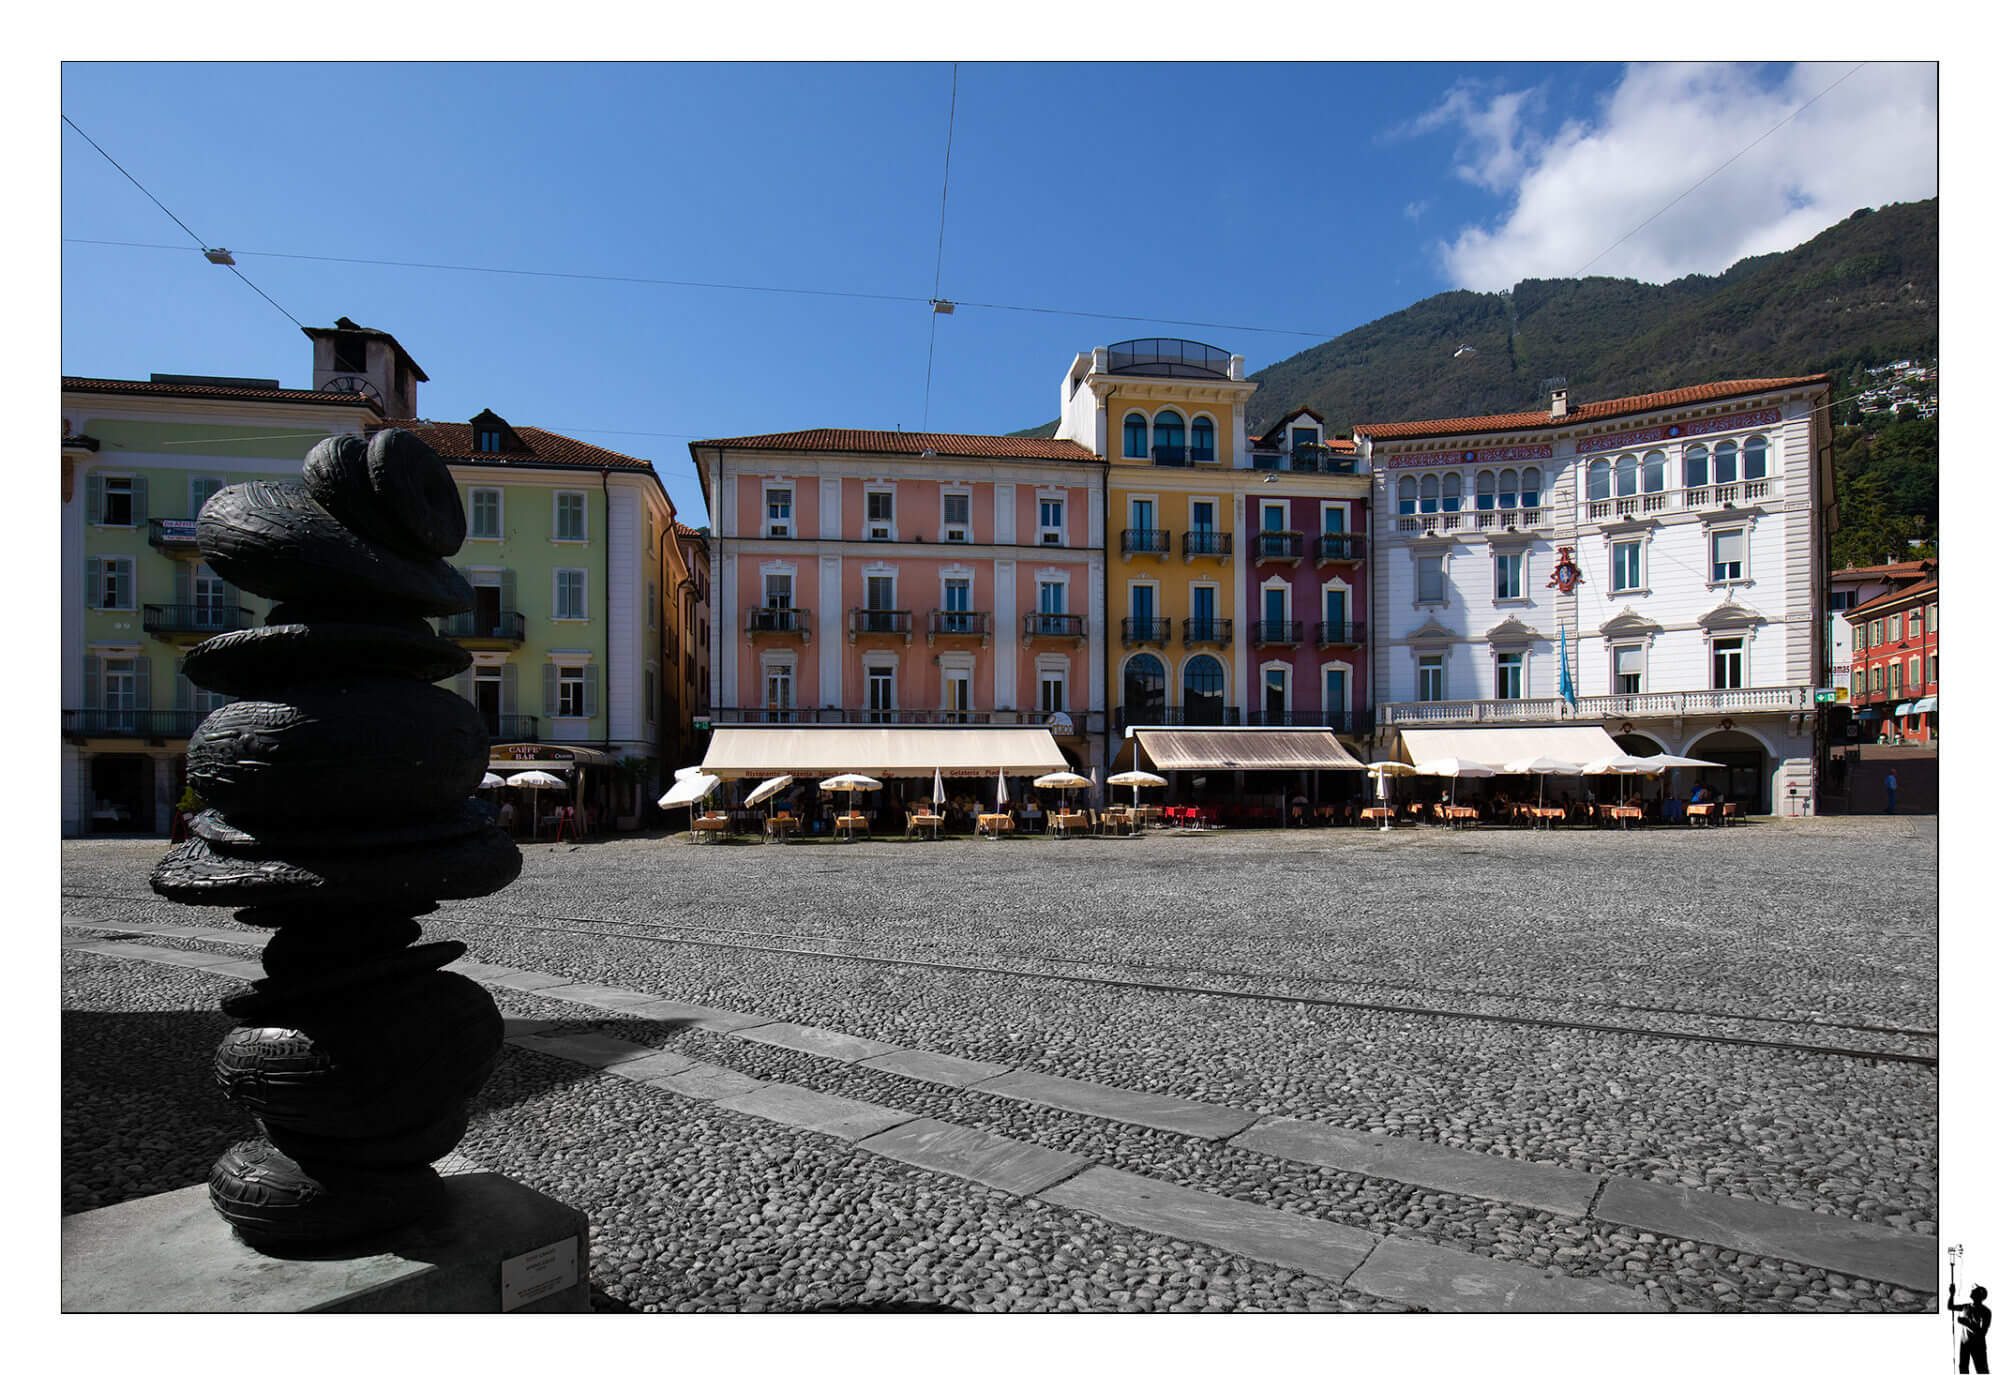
(554, 758)
(1501, 744)
(1242, 749)
(1905, 708)
(880, 751)
(1923, 704)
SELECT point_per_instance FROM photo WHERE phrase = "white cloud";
(1415, 209)
(1576, 192)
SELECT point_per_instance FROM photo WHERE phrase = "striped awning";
(1243, 748)
(880, 751)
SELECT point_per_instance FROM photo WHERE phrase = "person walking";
(1974, 1317)
(1889, 786)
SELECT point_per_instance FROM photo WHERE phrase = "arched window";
(1509, 489)
(1406, 497)
(1725, 461)
(1600, 481)
(1168, 435)
(1656, 472)
(1531, 487)
(1201, 691)
(1694, 466)
(1482, 487)
(1135, 435)
(1451, 490)
(1145, 688)
(1753, 458)
(1430, 491)
(1201, 440)
(1628, 475)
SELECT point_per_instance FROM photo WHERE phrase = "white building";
(1696, 523)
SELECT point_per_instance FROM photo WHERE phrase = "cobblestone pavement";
(1466, 997)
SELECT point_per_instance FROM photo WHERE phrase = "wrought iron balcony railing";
(1276, 545)
(181, 624)
(97, 723)
(1341, 722)
(1056, 624)
(1210, 544)
(509, 626)
(960, 623)
(1146, 630)
(1212, 631)
(1146, 542)
(1277, 632)
(871, 621)
(1340, 634)
(1178, 716)
(777, 620)
(1340, 548)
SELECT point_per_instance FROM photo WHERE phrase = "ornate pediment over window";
(1513, 631)
(1731, 616)
(1431, 632)
(1627, 623)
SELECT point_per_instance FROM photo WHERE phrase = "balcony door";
(958, 606)
(1142, 515)
(211, 599)
(1144, 607)
(881, 695)
(1274, 696)
(1202, 610)
(486, 686)
(1274, 612)
(778, 692)
(121, 694)
(1336, 613)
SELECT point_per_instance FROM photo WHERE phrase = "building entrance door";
(121, 794)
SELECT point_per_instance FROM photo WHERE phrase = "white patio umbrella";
(1138, 778)
(492, 780)
(536, 779)
(1621, 764)
(1542, 766)
(937, 787)
(689, 772)
(1064, 781)
(849, 783)
(999, 800)
(1383, 771)
(689, 790)
(769, 788)
(1455, 768)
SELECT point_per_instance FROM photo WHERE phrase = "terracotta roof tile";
(1913, 568)
(1870, 610)
(688, 530)
(1587, 413)
(454, 442)
(913, 444)
(122, 386)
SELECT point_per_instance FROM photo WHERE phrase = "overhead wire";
(937, 277)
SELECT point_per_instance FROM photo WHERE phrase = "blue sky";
(1303, 199)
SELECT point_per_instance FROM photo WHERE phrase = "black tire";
(275, 1201)
(393, 488)
(275, 657)
(418, 1146)
(196, 873)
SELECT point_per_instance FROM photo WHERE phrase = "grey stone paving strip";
(1441, 1280)
(999, 1162)
(658, 1065)
(529, 981)
(1831, 1243)
(936, 1069)
(831, 1045)
(710, 1082)
(1551, 1188)
(587, 1048)
(847, 1118)
(693, 1014)
(1182, 1115)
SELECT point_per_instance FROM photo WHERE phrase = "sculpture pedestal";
(497, 1246)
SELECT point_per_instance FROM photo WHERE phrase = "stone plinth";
(172, 1253)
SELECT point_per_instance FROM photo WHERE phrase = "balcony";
(1081, 722)
(188, 625)
(1219, 633)
(516, 730)
(961, 623)
(485, 630)
(1146, 630)
(1277, 633)
(1161, 716)
(1708, 496)
(1205, 544)
(1277, 546)
(1628, 707)
(174, 538)
(1511, 518)
(1132, 542)
(1055, 625)
(1431, 523)
(118, 723)
(777, 620)
(1339, 549)
(1340, 634)
(1170, 456)
(1340, 722)
(872, 621)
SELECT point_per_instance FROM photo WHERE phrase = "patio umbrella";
(848, 783)
(492, 780)
(1382, 772)
(1138, 778)
(1621, 764)
(689, 790)
(999, 800)
(1455, 768)
(769, 788)
(937, 787)
(1542, 766)
(1064, 780)
(536, 779)
(689, 772)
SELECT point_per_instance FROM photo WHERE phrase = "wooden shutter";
(507, 690)
(183, 689)
(142, 682)
(93, 583)
(93, 499)
(551, 703)
(507, 594)
(183, 585)
(590, 689)
(139, 501)
(93, 683)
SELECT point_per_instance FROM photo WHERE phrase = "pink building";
(883, 578)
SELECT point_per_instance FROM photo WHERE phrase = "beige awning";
(1244, 748)
(880, 751)
(1499, 745)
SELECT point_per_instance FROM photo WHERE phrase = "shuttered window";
(569, 690)
(569, 595)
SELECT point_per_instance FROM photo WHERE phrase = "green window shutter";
(93, 682)
(142, 683)
(183, 585)
(507, 593)
(93, 583)
(507, 707)
(139, 501)
(590, 689)
(550, 701)
(183, 689)
(93, 499)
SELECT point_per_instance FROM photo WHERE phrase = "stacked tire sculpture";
(340, 793)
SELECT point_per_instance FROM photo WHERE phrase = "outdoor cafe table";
(1460, 815)
(1378, 813)
(1062, 823)
(1703, 812)
(781, 826)
(922, 824)
(850, 823)
(993, 823)
(1548, 814)
(1624, 816)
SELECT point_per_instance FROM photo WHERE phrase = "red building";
(1895, 691)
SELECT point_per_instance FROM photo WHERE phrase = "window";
(1655, 474)
(1274, 691)
(1755, 450)
(1598, 482)
(1726, 660)
(485, 513)
(1507, 675)
(109, 584)
(1451, 491)
(1049, 598)
(1430, 677)
(1430, 580)
(1141, 518)
(778, 690)
(778, 513)
(1875, 678)
(1201, 440)
(1916, 673)
(117, 508)
(120, 687)
(211, 599)
(1201, 515)
(1626, 668)
(1895, 677)
(1135, 435)
(958, 517)
(1272, 515)
(778, 591)
(1694, 466)
(1427, 490)
(489, 441)
(1201, 691)
(1895, 630)
(1143, 602)
(1333, 519)
(1336, 610)
(957, 693)
(1049, 525)
(1050, 684)
(1725, 461)
(571, 696)
(569, 602)
(881, 588)
(1875, 632)
(1335, 695)
(958, 594)
(1275, 607)
(1626, 476)
(881, 694)
(350, 352)
(1625, 575)
(1725, 563)
(881, 515)
(1510, 489)
(1145, 686)
(1406, 496)
(200, 489)
(1933, 671)
(569, 516)
(1841, 600)
(1169, 438)
(648, 694)
(1202, 605)
(1531, 487)
(1506, 577)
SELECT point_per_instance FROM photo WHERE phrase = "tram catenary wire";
(1509, 1019)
